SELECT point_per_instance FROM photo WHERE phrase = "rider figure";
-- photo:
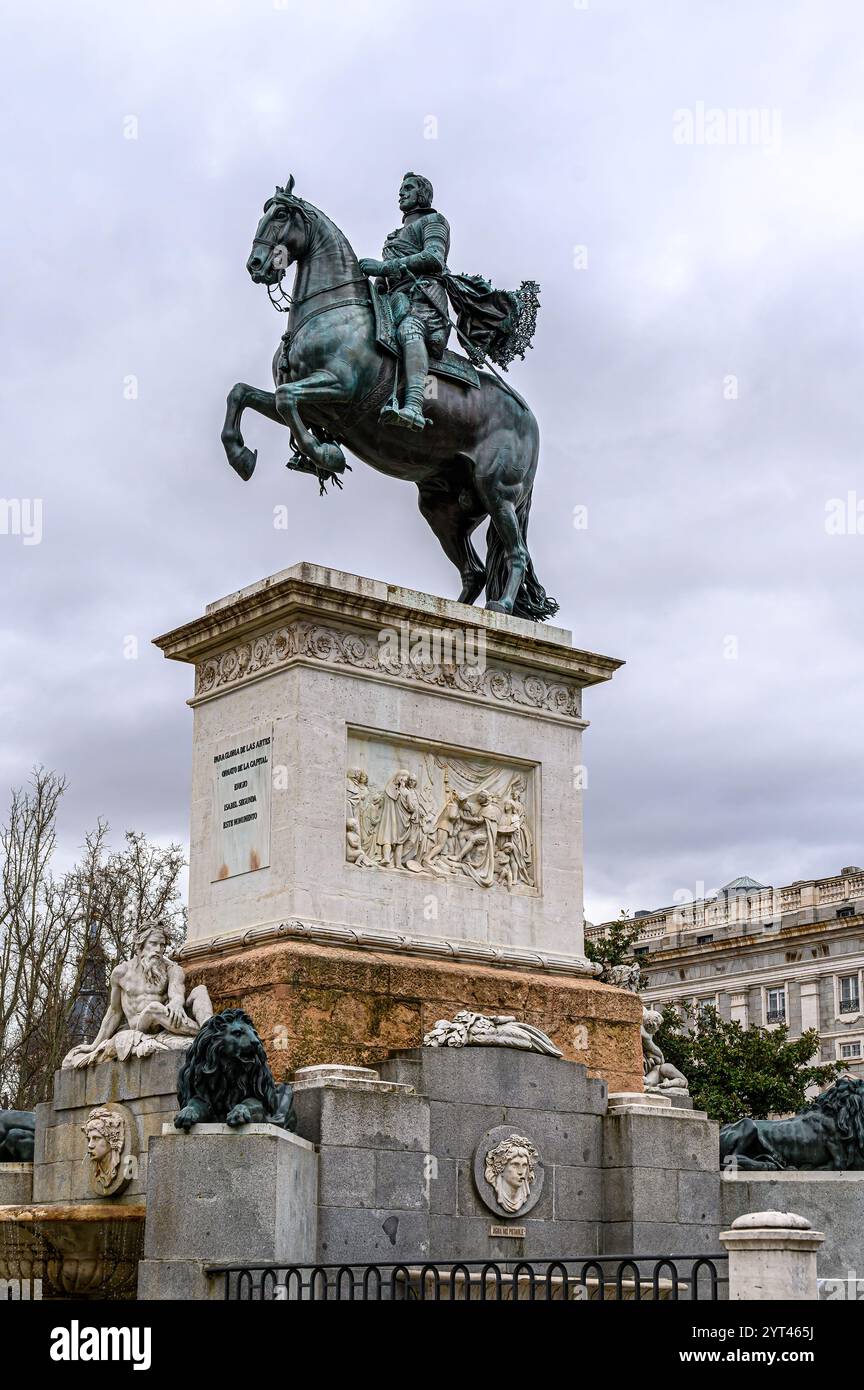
(411, 274)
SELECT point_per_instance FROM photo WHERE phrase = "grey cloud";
(706, 516)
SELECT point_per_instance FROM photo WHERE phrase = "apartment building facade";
(765, 955)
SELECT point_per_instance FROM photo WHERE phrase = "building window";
(775, 1005)
(849, 1051)
(850, 999)
(640, 950)
(846, 911)
(703, 940)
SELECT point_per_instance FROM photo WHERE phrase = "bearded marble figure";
(148, 1008)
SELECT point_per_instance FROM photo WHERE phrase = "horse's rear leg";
(453, 524)
(499, 484)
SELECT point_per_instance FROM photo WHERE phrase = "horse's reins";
(287, 302)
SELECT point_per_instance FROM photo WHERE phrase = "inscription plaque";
(241, 804)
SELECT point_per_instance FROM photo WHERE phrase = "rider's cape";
(494, 324)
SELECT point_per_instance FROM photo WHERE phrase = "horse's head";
(281, 238)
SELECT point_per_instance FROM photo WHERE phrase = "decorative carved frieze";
(364, 651)
(469, 1029)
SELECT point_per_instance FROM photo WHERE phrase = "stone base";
(146, 1087)
(398, 1164)
(180, 1281)
(313, 1003)
(225, 1196)
(661, 1189)
(831, 1202)
(16, 1184)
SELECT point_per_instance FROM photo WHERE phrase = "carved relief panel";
(423, 808)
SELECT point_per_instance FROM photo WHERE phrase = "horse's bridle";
(286, 302)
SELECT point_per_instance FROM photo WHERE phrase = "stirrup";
(389, 413)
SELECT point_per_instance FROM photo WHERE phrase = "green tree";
(616, 948)
(735, 1071)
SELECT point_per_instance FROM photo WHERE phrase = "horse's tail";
(532, 601)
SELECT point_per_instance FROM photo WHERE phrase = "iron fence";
(634, 1278)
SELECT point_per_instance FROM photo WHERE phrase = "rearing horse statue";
(478, 454)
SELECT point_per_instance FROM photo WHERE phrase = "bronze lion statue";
(17, 1135)
(827, 1134)
(225, 1078)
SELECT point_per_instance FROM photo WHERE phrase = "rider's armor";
(418, 252)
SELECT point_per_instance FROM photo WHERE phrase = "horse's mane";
(222, 1081)
(313, 216)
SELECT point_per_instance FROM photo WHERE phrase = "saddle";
(451, 364)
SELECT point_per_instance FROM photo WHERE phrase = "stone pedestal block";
(661, 1181)
(400, 834)
(356, 1006)
(831, 1202)
(16, 1184)
(317, 673)
(399, 1160)
(147, 1089)
(772, 1256)
(217, 1195)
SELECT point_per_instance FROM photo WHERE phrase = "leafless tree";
(49, 924)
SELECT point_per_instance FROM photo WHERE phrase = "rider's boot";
(416, 370)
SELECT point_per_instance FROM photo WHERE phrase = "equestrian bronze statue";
(364, 363)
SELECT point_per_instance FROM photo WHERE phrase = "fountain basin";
(79, 1250)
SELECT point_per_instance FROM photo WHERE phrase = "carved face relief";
(109, 1131)
(508, 1172)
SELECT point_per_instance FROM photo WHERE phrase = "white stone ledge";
(270, 1131)
(789, 1175)
(365, 938)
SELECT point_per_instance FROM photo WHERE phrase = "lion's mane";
(844, 1104)
(222, 1081)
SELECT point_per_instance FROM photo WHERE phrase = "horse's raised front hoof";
(493, 606)
(243, 462)
(331, 459)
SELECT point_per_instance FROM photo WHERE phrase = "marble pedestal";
(313, 673)
(391, 775)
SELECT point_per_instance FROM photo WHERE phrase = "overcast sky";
(697, 376)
